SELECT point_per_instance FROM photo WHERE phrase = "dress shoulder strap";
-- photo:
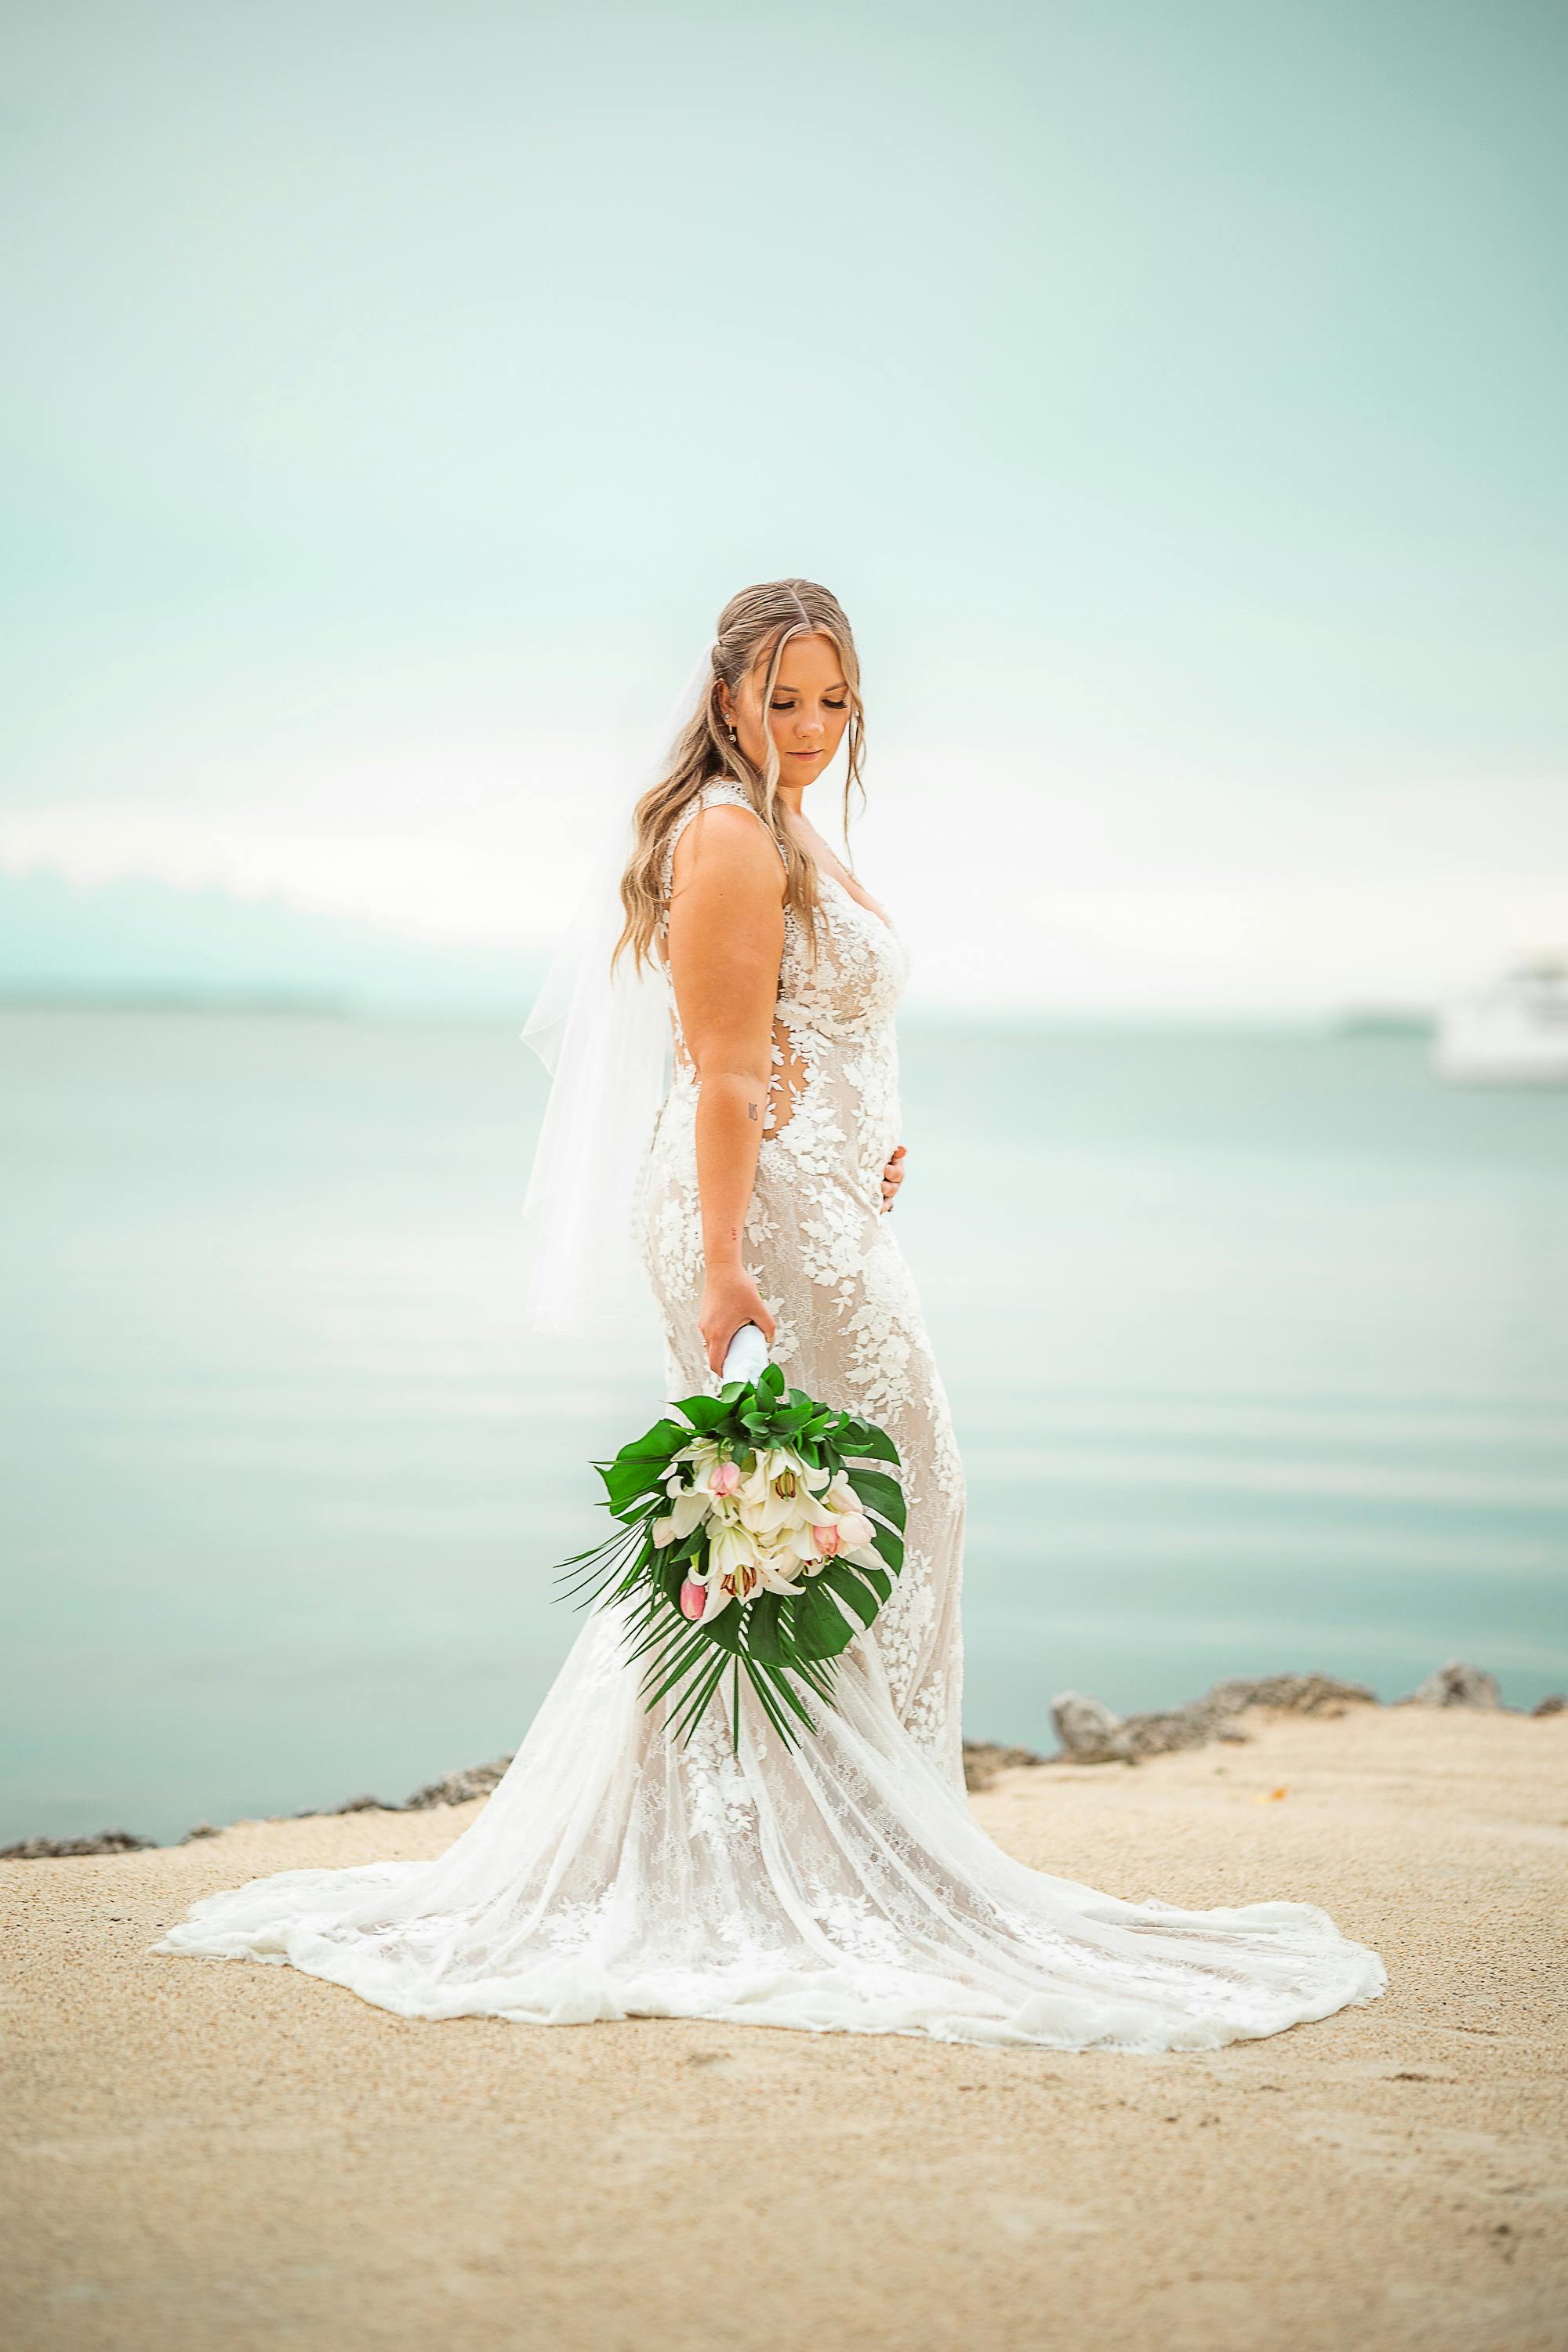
(720, 789)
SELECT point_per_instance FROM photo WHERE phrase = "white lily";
(688, 1511)
(775, 1493)
(780, 1572)
(718, 1597)
(733, 1572)
(731, 1549)
(828, 1534)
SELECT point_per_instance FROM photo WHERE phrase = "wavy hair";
(754, 628)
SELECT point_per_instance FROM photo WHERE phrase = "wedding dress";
(843, 1884)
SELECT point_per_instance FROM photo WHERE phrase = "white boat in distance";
(1513, 1032)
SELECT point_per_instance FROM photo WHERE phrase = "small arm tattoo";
(751, 1110)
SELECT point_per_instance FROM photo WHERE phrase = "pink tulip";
(726, 1478)
(693, 1600)
(827, 1539)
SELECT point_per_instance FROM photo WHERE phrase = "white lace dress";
(844, 1884)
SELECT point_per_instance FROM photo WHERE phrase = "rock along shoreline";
(1089, 1731)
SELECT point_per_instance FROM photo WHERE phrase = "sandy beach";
(208, 2153)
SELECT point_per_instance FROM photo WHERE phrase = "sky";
(1172, 396)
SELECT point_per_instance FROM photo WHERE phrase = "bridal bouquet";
(751, 1538)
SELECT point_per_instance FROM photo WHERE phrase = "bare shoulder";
(730, 847)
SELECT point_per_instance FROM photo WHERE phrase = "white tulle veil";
(606, 1043)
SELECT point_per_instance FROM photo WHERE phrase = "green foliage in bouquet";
(753, 1537)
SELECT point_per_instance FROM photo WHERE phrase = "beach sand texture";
(204, 2154)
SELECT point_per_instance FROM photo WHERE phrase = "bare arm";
(726, 942)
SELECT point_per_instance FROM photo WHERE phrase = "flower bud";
(725, 1478)
(663, 1533)
(826, 1538)
(693, 1600)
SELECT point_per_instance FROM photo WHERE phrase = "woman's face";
(809, 711)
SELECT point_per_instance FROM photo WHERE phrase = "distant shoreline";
(176, 1000)
(1350, 1022)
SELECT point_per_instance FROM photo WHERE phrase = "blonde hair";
(754, 626)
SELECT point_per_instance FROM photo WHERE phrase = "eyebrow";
(842, 687)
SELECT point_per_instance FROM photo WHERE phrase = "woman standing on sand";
(842, 1884)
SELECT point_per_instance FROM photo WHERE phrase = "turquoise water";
(1257, 1347)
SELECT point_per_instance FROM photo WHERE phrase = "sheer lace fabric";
(844, 1885)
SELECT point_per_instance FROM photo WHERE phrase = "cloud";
(422, 886)
(1003, 917)
(444, 841)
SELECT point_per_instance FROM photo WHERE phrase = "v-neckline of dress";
(854, 901)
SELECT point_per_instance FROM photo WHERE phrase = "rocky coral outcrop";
(43, 1849)
(1456, 1685)
(982, 1760)
(360, 1804)
(458, 1788)
(1090, 1733)
(453, 1789)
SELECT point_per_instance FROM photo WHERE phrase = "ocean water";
(1256, 1345)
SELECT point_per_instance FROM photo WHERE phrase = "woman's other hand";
(892, 1177)
(730, 1299)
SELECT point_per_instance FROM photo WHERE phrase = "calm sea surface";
(1257, 1347)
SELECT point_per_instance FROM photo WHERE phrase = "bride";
(842, 1884)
